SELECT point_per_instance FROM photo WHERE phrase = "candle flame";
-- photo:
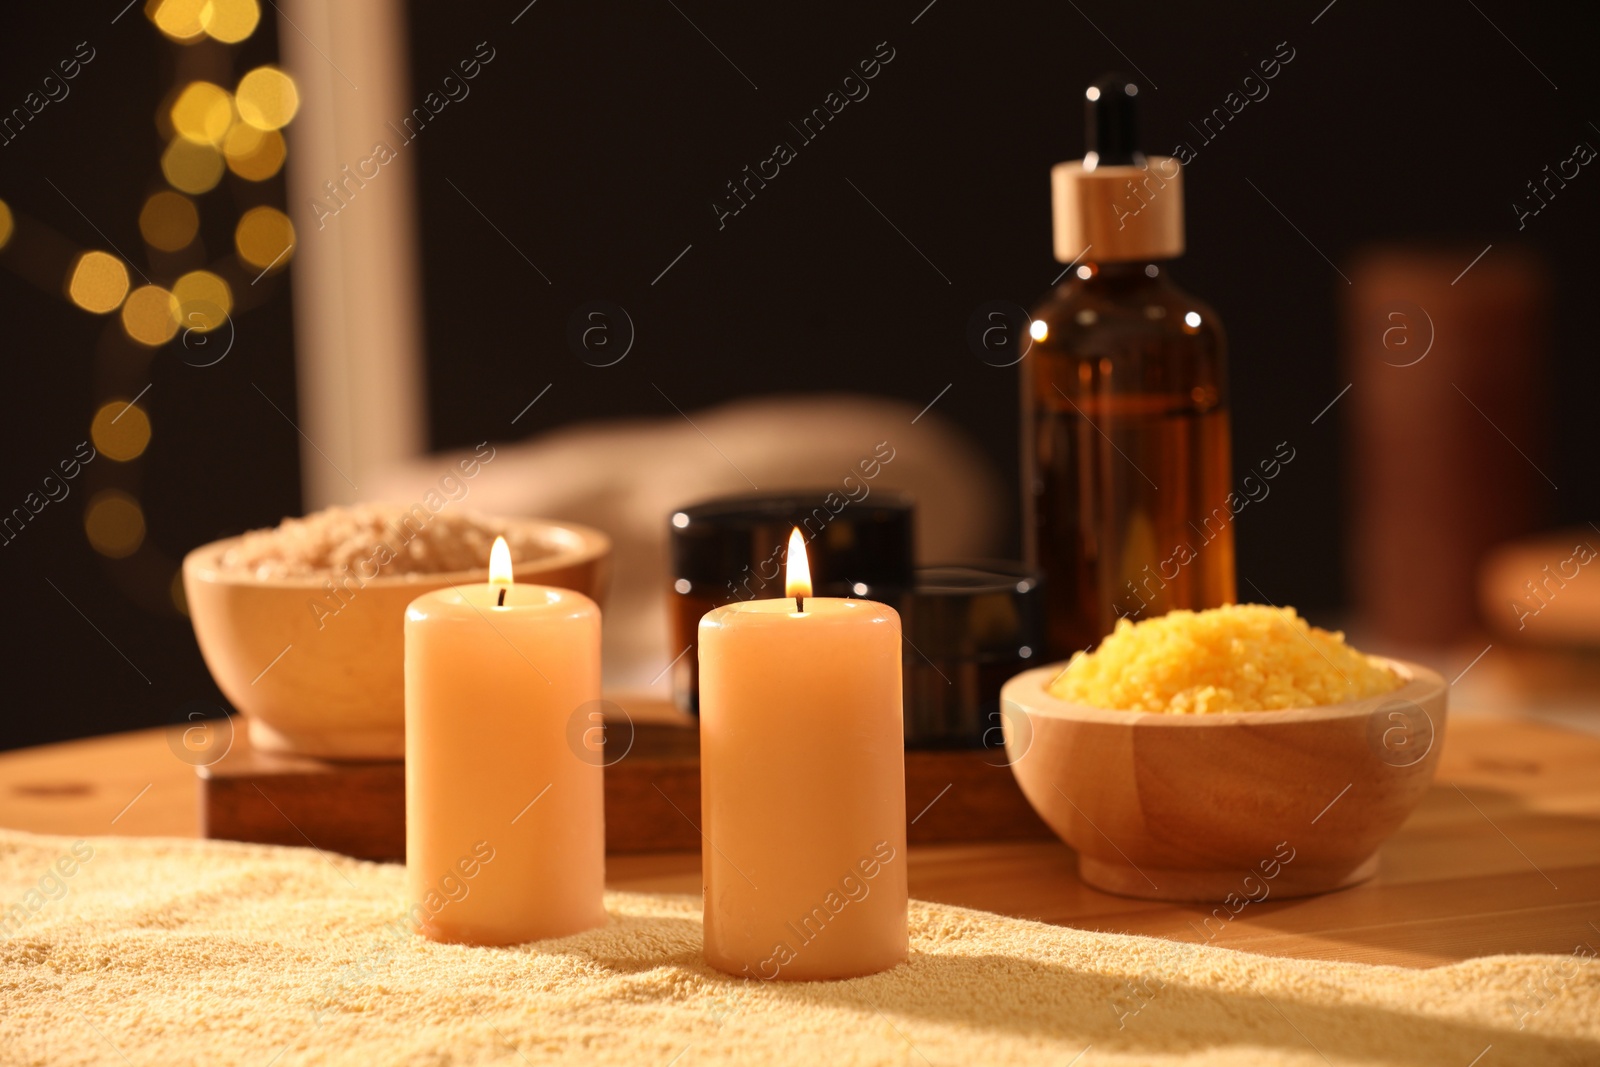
(797, 578)
(500, 563)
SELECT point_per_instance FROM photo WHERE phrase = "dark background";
(598, 138)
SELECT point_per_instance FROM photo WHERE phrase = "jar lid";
(734, 548)
(970, 627)
(978, 610)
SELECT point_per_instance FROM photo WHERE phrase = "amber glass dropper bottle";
(1124, 399)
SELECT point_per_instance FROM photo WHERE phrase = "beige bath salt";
(158, 951)
(397, 539)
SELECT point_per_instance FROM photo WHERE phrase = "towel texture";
(168, 952)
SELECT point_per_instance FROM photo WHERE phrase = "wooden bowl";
(318, 682)
(1233, 805)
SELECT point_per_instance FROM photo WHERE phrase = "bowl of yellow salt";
(1227, 755)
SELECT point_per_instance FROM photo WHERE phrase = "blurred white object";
(628, 476)
(358, 327)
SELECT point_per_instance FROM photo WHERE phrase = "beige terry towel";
(167, 952)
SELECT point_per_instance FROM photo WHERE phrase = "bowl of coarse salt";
(303, 625)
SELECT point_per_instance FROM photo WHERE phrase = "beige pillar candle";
(802, 785)
(505, 811)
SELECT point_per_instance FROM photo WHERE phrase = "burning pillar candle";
(802, 784)
(505, 818)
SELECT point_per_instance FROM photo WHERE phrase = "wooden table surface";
(1503, 856)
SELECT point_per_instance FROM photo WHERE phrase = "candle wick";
(502, 602)
(800, 604)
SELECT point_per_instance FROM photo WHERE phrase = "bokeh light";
(202, 113)
(253, 154)
(230, 21)
(178, 19)
(265, 238)
(7, 224)
(149, 315)
(194, 168)
(115, 524)
(267, 98)
(98, 282)
(120, 430)
(204, 300)
(169, 221)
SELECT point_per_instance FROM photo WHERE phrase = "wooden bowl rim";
(573, 544)
(1027, 691)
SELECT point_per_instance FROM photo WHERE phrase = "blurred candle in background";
(1447, 418)
(505, 811)
(802, 780)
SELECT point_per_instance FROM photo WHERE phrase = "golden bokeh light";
(253, 154)
(193, 168)
(120, 430)
(98, 282)
(203, 299)
(115, 524)
(180, 600)
(149, 315)
(169, 221)
(267, 98)
(230, 21)
(178, 19)
(202, 113)
(7, 224)
(265, 238)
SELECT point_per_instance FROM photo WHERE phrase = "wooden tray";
(652, 796)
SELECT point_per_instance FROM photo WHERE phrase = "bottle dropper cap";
(1116, 204)
(1111, 123)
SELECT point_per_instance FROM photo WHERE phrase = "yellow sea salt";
(1242, 657)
